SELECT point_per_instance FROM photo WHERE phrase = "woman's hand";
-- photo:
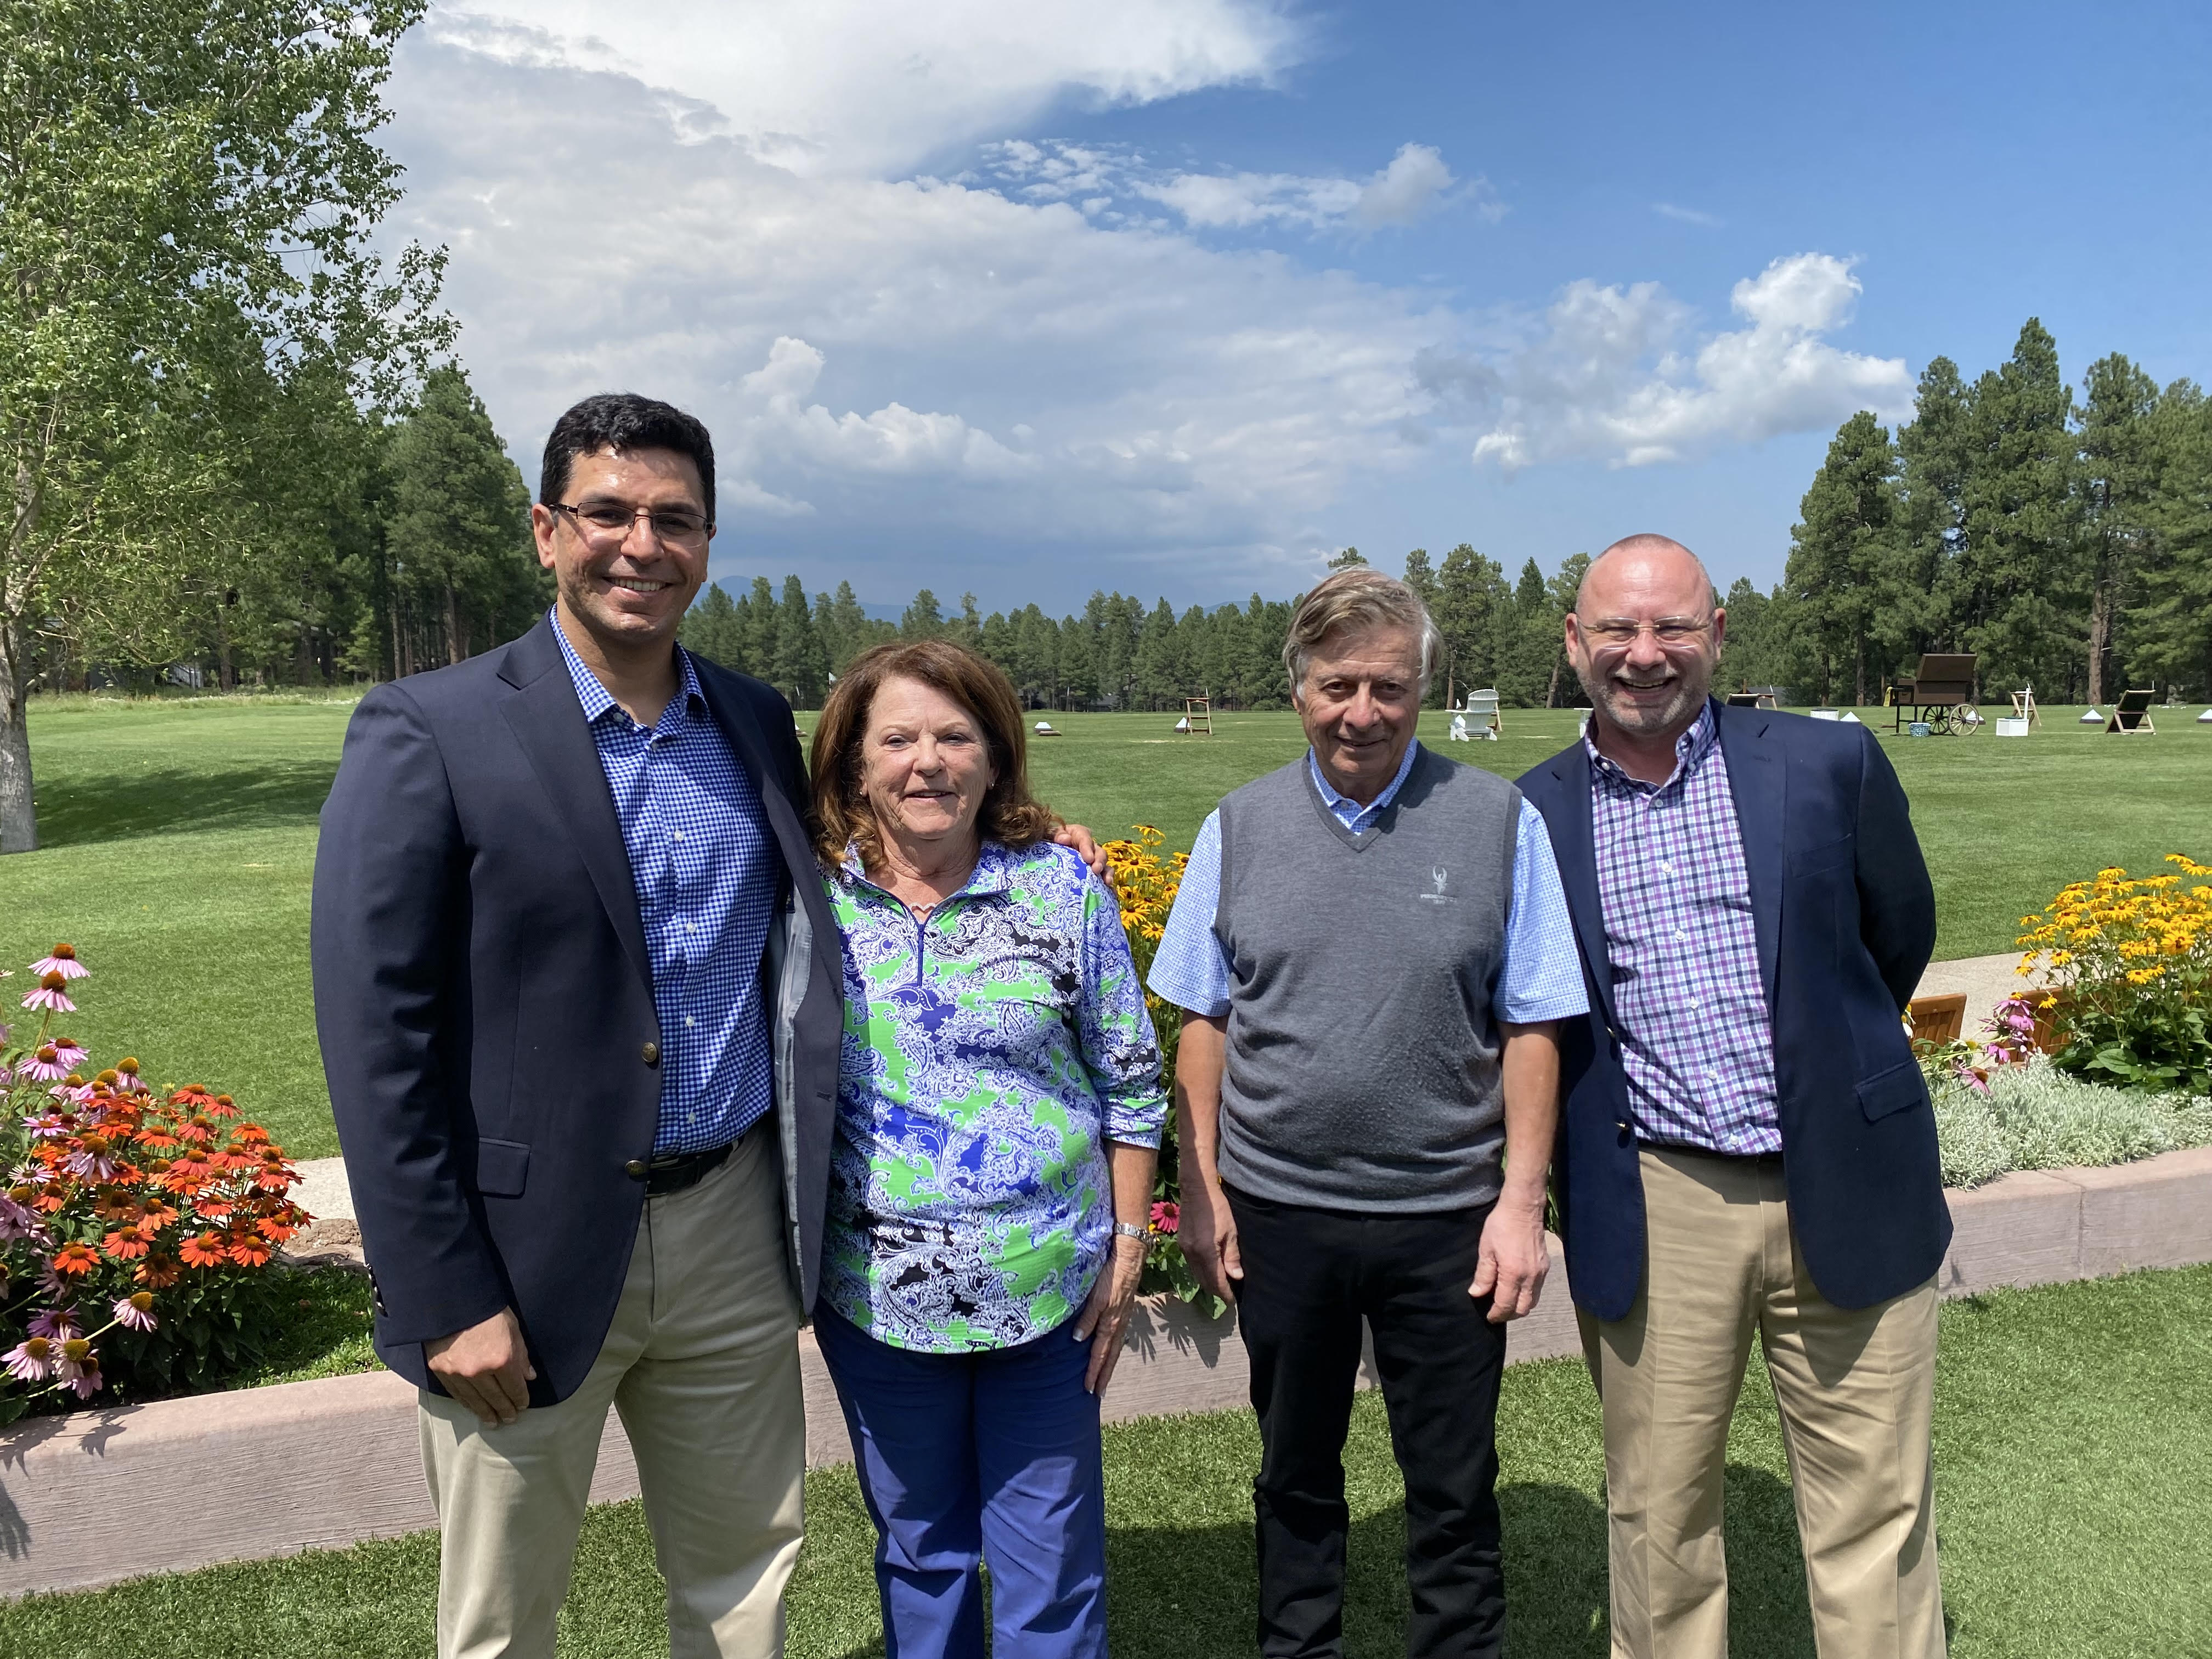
(1105, 1315)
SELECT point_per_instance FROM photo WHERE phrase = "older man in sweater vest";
(1371, 948)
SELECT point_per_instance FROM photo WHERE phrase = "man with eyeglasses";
(580, 998)
(1747, 1144)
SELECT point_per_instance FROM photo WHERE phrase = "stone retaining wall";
(91, 1498)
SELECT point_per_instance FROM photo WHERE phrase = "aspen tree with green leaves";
(187, 193)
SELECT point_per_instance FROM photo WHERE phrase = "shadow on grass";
(76, 810)
(1193, 1590)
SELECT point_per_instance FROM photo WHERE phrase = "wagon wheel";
(1964, 719)
(1937, 718)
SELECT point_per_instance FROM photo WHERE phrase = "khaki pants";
(702, 1361)
(1856, 1392)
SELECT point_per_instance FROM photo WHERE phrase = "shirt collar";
(1336, 800)
(596, 699)
(1690, 751)
(993, 871)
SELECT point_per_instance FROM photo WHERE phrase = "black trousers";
(1310, 1276)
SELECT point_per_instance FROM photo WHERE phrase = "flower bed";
(137, 1229)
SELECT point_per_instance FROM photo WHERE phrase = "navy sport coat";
(1845, 920)
(485, 1002)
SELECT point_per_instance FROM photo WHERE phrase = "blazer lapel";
(744, 730)
(549, 723)
(1758, 778)
(1574, 844)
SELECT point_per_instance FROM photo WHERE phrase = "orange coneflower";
(157, 1272)
(249, 1250)
(75, 1259)
(125, 1245)
(207, 1250)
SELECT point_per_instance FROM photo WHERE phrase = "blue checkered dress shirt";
(1540, 979)
(706, 871)
(1696, 1040)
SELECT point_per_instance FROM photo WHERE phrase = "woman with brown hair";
(999, 1115)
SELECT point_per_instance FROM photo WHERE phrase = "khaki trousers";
(702, 1361)
(1856, 1393)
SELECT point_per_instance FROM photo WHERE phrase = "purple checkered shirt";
(1696, 1040)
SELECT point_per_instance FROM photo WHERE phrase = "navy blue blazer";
(485, 1002)
(1845, 920)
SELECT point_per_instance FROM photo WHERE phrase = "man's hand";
(1510, 1267)
(1086, 847)
(1207, 1230)
(485, 1367)
(1105, 1314)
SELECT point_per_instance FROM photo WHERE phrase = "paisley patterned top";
(990, 1050)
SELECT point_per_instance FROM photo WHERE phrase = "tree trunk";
(454, 649)
(19, 822)
(2100, 635)
(1858, 676)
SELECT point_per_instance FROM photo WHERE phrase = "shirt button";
(688, 1020)
(678, 836)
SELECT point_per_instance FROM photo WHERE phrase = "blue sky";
(1031, 300)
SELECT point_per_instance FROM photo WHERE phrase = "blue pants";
(974, 1457)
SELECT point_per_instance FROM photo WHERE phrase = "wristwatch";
(1129, 1230)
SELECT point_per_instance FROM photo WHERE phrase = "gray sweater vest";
(1363, 1064)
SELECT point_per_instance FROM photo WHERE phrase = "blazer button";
(635, 1169)
(650, 1054)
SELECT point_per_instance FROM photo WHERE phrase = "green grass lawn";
(2074, 1427)
(179, 842)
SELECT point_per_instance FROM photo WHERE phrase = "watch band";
(1129, 1230)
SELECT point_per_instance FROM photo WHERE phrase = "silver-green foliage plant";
(188, 189)
(2033, 1116)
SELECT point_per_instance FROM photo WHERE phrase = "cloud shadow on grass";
(80, 809)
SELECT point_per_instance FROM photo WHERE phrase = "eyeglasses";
(1673, 632)
(605, 522)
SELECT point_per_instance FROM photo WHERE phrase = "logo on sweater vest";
(1436, 880)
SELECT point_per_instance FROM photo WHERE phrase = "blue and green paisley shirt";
(990, 1051)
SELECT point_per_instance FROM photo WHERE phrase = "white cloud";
(1063, 351)
(1416, 181)
(1685, 215)
(1599, 374)
(859, 86)
(1033, 375)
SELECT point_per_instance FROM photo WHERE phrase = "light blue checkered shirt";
(1695, 1039)
(1540, 979)
(706, 871)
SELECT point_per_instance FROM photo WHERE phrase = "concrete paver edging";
(91, 1498)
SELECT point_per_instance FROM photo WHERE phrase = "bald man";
(1746, 1144)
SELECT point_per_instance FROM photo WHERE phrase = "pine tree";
(922, 620)
(1841, 550)
(464, 567)
(2017, 597)
(801, 664)
(2170, 626)
(1471, 598)
(2118, 478)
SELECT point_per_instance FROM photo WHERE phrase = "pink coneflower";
(134, 1312)
(47, 993)
(63, 961)
(7, 1076)
(70, 1053)
(18, 1222)
(79, 1367)
(59, 1323)
(44, 1064)
(1166, 1217)
(44, 1129)
(31, 1360)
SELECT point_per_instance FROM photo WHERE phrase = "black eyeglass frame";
(704, 532)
